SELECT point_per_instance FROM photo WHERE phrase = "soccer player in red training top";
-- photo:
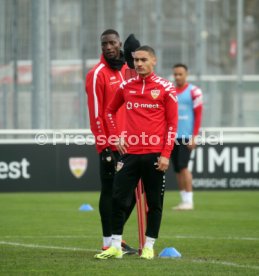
(190, 112)
(146, 145)
(101, 84)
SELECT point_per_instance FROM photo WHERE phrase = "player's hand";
(122, 146)
(162, 164)
(192, 143)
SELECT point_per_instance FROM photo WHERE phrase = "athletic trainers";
(111, 253)
(184, 207)
(126, 249)
(147, 253)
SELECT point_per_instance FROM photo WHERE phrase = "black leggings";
(107, 171)
(133, 168)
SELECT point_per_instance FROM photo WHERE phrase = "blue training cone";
(86, 207)
(170, 252)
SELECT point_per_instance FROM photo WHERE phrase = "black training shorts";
(180, 155)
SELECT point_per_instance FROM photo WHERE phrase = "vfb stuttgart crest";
(78, 166)
(155, 93)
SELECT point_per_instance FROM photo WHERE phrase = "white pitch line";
(50, 237)
(92, 250)
(211, 238)
(226, 264)
(162, 236)
(47, 246)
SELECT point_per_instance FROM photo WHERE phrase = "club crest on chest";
(155, 93)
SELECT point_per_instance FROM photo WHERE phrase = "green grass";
(38, 232)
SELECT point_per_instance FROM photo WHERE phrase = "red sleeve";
(110, 114)
(197, 119)
(171, 115)
(197, 109)
(95, 86)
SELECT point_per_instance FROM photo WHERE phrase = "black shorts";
(133, 167)
(180, 155)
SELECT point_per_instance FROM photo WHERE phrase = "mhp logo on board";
(225, 166)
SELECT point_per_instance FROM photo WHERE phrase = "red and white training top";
(102, 82)
(151, 114)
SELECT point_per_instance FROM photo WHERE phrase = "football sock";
(116, 241)
(107, 241)
(149, 242)
(182, 194)
(189, 197)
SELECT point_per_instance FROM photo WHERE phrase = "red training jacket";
(151, 112)
(101, 84)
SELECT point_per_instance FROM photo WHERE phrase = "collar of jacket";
(149, 78)
(117, 65)
(103, 60)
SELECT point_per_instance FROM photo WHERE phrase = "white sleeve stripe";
(173, 97)
(197, 102)
(196, 92)
(96, 110)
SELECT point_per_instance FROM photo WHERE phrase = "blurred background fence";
(46, 48)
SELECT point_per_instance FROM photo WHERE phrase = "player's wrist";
(192, 141)
(166, 154)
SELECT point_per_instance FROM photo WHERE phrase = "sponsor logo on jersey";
(113, 78)
(184, 117)
(129, 105)
(155, 93)
(136, 105)
(78, 166)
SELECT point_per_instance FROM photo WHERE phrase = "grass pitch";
(46, 234)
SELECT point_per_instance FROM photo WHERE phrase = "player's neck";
(144, 76)
(182, 86)
(180, 89)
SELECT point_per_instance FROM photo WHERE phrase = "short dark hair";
(110, 31)
(181, 65)
(146, 48)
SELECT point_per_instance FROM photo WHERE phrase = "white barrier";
(28, 136)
